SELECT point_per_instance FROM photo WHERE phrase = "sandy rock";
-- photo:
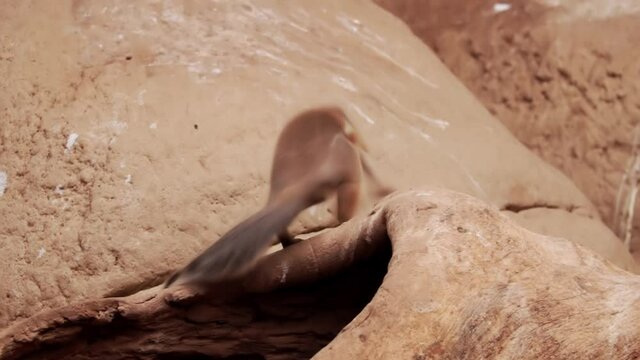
(594, 236)
(561, 75)
(463, 281)
(175, 106)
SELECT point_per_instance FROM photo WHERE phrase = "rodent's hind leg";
(348, 194)
(380, 189)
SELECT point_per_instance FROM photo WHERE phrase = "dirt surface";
(561, 75)
(134, 135)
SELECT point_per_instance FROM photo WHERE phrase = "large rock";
(561, 75)
(463, 281)
(135, 134)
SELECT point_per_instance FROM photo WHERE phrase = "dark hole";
(184, 355)
(129, 57)
(195, 126)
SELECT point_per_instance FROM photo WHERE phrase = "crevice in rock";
(516, 208)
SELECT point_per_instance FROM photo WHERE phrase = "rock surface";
(463, 281)
(135, 134)
(561, 75)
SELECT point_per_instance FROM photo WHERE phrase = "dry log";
(463, 281)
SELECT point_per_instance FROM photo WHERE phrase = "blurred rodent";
(318, 153)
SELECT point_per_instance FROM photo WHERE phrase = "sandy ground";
(134, 135)
(561, 75)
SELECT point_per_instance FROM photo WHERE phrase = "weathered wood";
(463, 281)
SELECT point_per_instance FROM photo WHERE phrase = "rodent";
(315, 156)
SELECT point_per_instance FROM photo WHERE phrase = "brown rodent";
(305, 150)
(315, 156)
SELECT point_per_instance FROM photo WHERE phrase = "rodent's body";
(315, 146)
(315, 156)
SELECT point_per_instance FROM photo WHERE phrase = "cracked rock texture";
(561, 75)
(132, 135)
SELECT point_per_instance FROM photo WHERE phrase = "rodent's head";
(348, 128)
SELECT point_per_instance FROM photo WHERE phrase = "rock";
(463, 281)
(176, 107)
(561, 75)
(591, 235)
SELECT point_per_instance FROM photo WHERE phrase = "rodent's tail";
(172, 279)
(239, 248)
